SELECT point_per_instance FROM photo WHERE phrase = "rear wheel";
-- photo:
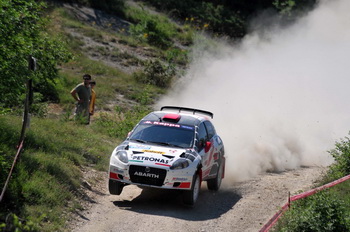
(214, 184)
(190, 197)
(115, 187)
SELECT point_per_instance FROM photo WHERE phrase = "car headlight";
(122, 156)
(180, 164)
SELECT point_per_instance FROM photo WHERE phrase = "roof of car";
(184, 117)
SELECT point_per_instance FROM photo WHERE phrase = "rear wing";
(188, 109)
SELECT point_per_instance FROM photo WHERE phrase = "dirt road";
(244, 206)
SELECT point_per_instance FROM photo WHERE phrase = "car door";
(203, 149)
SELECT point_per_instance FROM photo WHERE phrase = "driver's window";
(202, 137)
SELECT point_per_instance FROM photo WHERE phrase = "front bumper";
(153, 176)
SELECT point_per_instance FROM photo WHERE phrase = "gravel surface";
(244, 206)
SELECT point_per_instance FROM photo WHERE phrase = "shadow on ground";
(210, 204)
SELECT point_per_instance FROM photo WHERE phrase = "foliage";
(327, 210)
(292, 8)
(230, 18)
(9, 137)
(206, 15)
(47, 177)
(156, 73)
(154, 29)
(14, 223)
(319, 212)
(341, 155)
(21, 27)
(123, 122)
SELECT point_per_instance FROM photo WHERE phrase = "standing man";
(82, 94)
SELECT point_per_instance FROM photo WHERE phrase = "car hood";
(153, 155)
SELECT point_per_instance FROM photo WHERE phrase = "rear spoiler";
(188, 109)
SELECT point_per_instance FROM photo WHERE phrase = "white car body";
(179, 153)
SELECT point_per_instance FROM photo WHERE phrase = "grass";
(47, 179)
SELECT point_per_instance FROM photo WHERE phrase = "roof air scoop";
(171, 117)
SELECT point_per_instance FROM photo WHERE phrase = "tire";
(115, 187)
(214, 184)
(190, 197)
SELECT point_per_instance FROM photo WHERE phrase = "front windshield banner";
(147, 122)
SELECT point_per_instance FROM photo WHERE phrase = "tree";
(22, 34)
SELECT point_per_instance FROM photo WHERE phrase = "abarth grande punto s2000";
(173, 148)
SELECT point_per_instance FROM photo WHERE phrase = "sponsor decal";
(150, 175)
(151, 151)
(161, 124)
(139, 147)
(180, 179)
(168, 124)
(117, 171)
(187, 127)
(172, 151)
(152, 159)
(216, 156)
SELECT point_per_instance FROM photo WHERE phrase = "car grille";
(147, 175)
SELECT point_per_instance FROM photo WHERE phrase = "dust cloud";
(280, 98)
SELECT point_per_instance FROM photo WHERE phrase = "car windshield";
(167, 134)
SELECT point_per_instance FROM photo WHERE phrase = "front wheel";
(115, 187)
(190, 197)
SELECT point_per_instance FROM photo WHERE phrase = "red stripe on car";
(113, 175)
(185, 185)
(166, 165)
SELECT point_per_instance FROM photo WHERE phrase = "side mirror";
(207, 146)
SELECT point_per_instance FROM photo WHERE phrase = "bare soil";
(243, 206)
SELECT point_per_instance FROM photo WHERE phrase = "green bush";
(319, 212)
(155, 30)
(156, 73)
(341, 155)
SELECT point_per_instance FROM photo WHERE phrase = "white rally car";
(174, 148)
